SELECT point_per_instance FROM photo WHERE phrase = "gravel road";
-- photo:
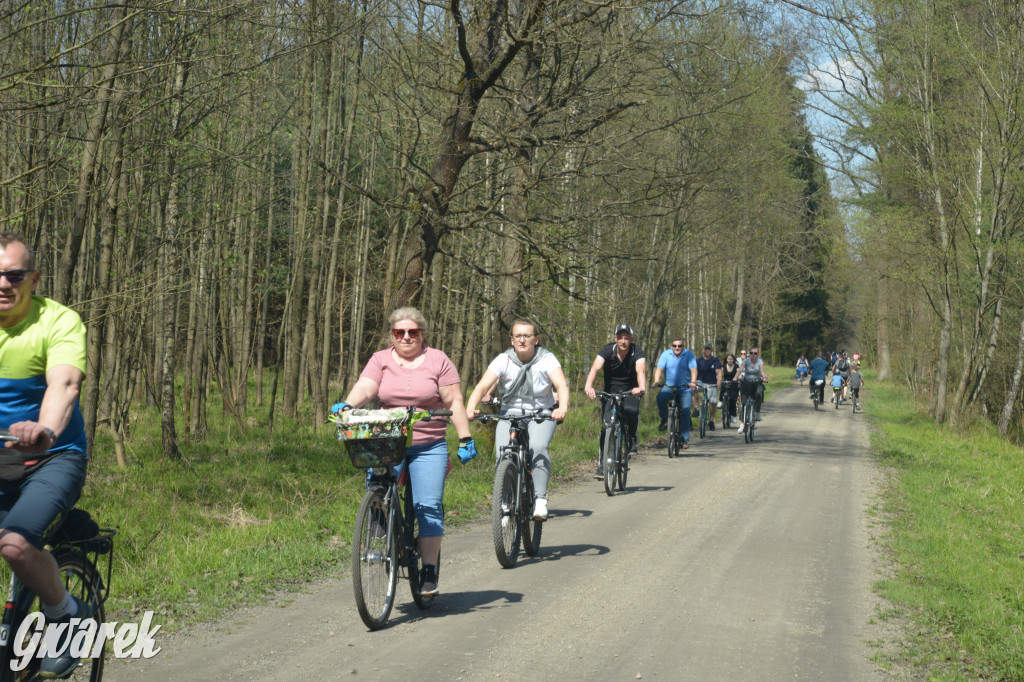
(736, 562)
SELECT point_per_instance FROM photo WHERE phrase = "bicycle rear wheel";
(622, 463)
(531, 529)
(611, 457)
(835, 394)
(505, 513)
(374, 560)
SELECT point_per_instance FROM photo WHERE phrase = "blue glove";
(467, 450)
(339, 407)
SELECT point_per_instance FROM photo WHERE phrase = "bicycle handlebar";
(542, 415)
(6, 435)
(625, 394)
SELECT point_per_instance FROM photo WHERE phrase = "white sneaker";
(740, 430)
(540, 509)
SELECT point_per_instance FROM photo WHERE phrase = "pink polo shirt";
(404, 387)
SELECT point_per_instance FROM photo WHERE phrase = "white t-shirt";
(507, 371)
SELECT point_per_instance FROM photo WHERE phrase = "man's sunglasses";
(676, 346)
(15, 277)
(411, 333)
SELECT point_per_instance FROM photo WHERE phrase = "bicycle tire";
(703, 417)
(622, 463)
(374, 560)
(83, 580)
(673, 431)
(747, 416)
(611, 458)
(505, 524)
(725, 416)
(816, 401)
(531, 529)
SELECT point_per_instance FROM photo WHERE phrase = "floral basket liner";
(377, 424)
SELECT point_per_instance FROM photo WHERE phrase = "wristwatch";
(51, 434)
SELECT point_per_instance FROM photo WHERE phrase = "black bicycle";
(385, 539)
(675, 418)
(77, 544)
(749, 417)
(728, 402)
(705, 407)
(837, 395)
(512, 499)
(616, 448)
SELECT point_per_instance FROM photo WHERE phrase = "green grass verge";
(240, 517)
(954, 502)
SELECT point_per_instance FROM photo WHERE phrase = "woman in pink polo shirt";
(412, 374)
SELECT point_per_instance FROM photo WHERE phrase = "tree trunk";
(1013, 393)
(90, 152)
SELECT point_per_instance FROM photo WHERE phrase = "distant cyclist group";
(527, 379)
(846, 378)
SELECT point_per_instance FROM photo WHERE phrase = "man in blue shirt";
(819, 370)
(679, 365)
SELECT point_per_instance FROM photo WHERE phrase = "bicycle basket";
(374, 438)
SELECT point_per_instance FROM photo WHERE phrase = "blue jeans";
(684, 397)
(428, 468)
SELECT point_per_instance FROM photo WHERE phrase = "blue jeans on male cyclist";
(684, 397)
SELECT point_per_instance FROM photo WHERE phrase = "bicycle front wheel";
(703, 418)
(531, 529)
(673, 431)
(748, 418)
(505, 513)
(611, 457)
(374, 560)
(622, 461)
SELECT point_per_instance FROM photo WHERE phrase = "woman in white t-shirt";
(527, 377)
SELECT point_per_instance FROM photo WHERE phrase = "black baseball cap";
(624, 328)
(709, 346)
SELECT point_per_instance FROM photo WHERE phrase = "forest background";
(238, 193)
(235, 195)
